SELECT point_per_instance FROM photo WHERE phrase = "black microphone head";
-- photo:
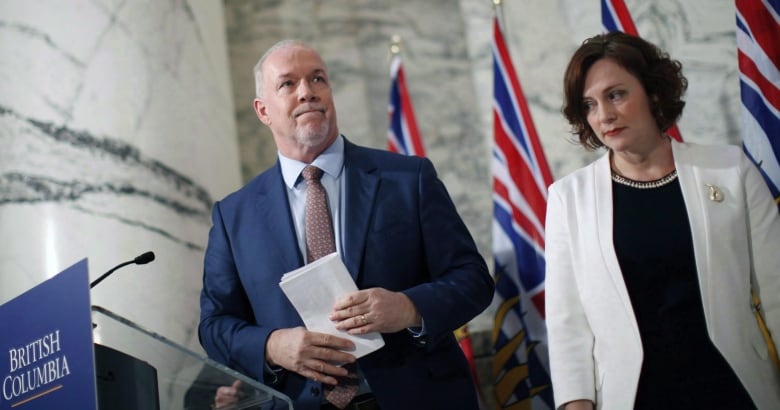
(144, 258)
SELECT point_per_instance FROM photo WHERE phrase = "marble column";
(117, 131)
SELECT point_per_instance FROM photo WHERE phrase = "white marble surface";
(118, 132)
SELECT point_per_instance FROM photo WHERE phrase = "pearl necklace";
(644, 184)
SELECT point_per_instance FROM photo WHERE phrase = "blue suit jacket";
(402, 233)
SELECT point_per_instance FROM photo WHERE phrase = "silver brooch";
(716, 195)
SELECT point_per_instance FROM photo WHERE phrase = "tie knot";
(311, 173)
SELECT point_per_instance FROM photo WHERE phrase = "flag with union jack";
(403, 136)
(616, 17)
(758, 51)
(520, 180)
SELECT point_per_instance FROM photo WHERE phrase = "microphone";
(139, 260)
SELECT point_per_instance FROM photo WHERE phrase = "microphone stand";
(139, 260)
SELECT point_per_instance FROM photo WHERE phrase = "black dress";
(681, 367)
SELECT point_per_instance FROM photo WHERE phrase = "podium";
(139, 369)
(60, 352)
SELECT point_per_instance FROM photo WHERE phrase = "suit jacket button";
(315, 391)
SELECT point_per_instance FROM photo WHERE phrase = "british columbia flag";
(520, 180)
(758, 51)
(402, 136)
(616, 17)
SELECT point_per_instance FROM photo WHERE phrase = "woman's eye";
(614, 95)
(587, 106)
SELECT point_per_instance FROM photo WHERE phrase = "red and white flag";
(758, 51)
(402, 136)
(520, 180)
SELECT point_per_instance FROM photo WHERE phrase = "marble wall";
(448, 64)
(117, 133)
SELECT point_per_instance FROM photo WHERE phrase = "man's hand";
(310, 354)
(375, 310)
(227, 395)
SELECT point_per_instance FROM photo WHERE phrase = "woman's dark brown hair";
(660, 76)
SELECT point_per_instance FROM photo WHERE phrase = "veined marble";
(118, 132)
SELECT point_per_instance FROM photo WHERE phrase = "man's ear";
(262, 111)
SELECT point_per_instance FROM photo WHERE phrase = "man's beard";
(312, 136)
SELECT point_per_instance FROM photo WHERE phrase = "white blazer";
(595, 347)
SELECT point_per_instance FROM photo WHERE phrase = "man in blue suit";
(418, 270)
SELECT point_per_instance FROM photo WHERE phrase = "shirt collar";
(331, 161)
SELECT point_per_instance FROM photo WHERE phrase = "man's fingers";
(322, 378)
(350, 305)
(332, 342)
(324, 372)
(328, 369)
(354, 298)
(225, 391)
(227, 395)
(329, 356)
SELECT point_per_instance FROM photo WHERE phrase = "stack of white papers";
(314, 288)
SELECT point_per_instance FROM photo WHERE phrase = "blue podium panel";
(46, 354)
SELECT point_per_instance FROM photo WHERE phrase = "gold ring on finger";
(363, 319)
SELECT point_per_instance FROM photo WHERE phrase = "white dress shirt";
(331, 162)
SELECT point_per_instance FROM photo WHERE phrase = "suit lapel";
(361, 187)
(274, 220)
(694, 194)
(605, 221)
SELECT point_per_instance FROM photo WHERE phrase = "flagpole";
(499, 13)
(395, 51)
(395, 45)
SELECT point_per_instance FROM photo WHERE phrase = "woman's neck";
(647, 165)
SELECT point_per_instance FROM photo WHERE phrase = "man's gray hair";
(258, 69)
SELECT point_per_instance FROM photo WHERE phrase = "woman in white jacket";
(652, 250)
